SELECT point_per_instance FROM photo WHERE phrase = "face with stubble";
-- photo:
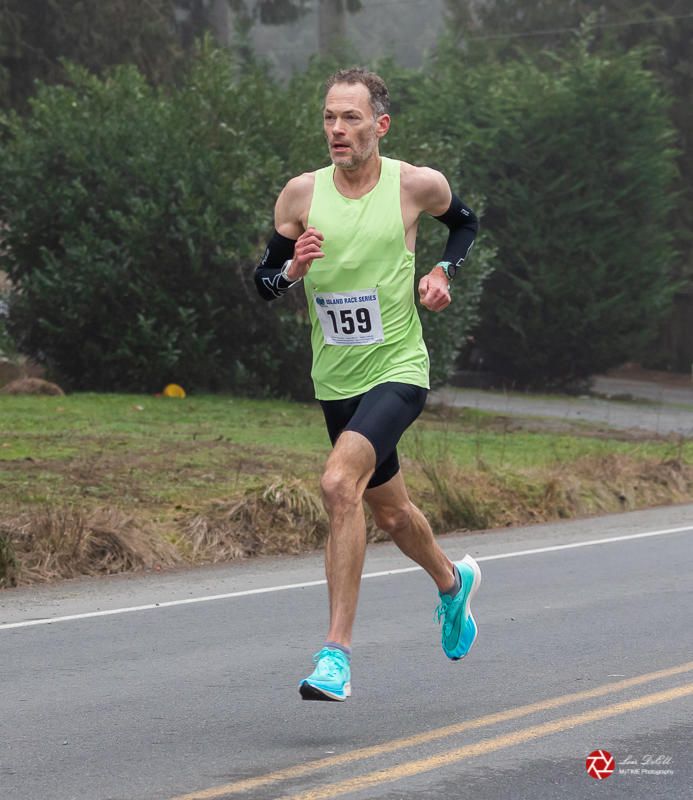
(351, 130)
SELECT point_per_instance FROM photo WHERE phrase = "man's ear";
(382, 125)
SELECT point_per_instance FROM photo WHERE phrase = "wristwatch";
(449, 269)
(283, 273)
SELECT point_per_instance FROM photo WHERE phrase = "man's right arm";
(293, 245)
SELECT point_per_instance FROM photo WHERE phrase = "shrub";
(133, 218)
(576, 165)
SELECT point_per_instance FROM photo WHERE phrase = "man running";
(349, 231)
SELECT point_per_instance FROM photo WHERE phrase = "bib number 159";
(349, 318)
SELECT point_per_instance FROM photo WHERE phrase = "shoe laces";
(441, 609)
(330, 662)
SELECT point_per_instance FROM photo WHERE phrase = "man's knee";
(338, 488)
(348, 470)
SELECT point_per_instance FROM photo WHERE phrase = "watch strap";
(448, 269)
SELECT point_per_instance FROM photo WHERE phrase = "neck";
(354, 183)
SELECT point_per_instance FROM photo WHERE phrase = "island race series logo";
(600, 764)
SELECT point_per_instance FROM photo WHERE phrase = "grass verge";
(98, 484)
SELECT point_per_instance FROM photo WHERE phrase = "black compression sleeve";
(268, 279)
(463, 226)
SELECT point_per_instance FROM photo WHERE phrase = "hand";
(308, 247)
(434, 290)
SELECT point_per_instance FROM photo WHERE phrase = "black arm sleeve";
(463, 226)
(268, 279)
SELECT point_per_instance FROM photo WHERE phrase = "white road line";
(308, 584)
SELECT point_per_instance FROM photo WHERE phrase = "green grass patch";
(163, 480)
(478, 439)
(48, 425)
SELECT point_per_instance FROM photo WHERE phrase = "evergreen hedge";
(131, 216)
(134, 217)
(577, 165)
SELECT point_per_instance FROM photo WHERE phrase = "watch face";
(451, 270)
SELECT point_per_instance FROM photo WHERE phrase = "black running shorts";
(381, 415)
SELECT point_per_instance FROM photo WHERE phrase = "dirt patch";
(636, 372)
(32, 386)
(581, 429)
(107, 476)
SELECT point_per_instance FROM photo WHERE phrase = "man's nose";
(338, 126)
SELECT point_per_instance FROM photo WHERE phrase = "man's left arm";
(434, 288)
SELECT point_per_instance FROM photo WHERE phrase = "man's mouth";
(339, 147)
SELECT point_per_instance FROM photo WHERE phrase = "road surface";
(664, 411)
(185, 685)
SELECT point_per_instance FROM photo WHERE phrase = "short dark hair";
(379, 97)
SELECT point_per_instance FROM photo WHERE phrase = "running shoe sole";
(311, 692)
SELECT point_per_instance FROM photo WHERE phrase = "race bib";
(349, 317)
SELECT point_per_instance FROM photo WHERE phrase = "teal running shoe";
(331, 679)
(459, 627)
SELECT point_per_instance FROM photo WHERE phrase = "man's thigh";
(381, 416)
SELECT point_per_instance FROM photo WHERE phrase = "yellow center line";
(394, 745)
(486, 746)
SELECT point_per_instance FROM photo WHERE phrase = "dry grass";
(66, 543)
(479, 499)
(31, 387)
(283, 517)
(111, 488)
(287, 517)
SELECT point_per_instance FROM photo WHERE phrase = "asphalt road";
(185, 684)
(654, 408)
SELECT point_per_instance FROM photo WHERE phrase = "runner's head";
(355, 116)
(378, 96)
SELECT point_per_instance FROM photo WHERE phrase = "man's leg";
(395, 514)
(344, 480)
(457, 583)
(347, 472)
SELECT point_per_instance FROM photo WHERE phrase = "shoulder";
(425, 188)
(299, 188)
(293, 205)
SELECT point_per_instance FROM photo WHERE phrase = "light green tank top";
(365, 326)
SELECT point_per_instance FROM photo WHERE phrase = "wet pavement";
(616, 402)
